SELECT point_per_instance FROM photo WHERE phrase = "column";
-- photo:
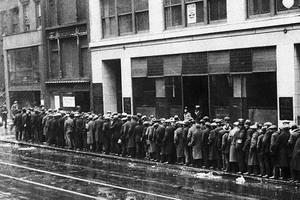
(126, 84)
(156, 16)
(236, 11)
(95, 21)
(285, 54)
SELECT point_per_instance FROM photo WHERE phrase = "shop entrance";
(83, 99)
(195, 92)
(112, 86)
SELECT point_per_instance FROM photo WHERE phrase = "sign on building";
(69, 102)
(191, 13)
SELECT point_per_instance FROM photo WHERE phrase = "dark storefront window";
(173, 90)
(144, 91)
(261, 90)
(23, 65)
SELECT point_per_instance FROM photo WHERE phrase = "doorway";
(112, 86)
(195, 92)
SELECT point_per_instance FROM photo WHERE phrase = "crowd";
(242, 147)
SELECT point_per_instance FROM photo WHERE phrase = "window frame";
(273, 10)
(133, 13)
(184, 3)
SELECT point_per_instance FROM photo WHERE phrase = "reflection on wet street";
(31, 173)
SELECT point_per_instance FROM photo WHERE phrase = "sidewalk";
(7, 136)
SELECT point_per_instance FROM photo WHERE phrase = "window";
(217, 9)
(271, 7)
(54, 59)
(3, 15)
(26, 17)
(195, 12)
(173, 13)
(258, 7)
(23, 65)
(281, 7)
(144, 91)
(38, 14)
(121, 17)
(15, 20)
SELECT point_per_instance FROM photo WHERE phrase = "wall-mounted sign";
(191, 13)
(127, 105)
(286, 108)
(56, 102)
(69, 102)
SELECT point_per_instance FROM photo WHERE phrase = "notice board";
(286, 108)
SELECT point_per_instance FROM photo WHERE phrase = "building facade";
(21, 32)
(233, 58)
(67, 55)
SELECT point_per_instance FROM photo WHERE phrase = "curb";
(151, 163)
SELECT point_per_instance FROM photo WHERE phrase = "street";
(34, 173)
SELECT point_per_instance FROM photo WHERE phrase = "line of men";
(241, 147)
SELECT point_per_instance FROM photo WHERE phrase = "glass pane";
(265, 7)
(223, 9)
(108, 8)
(125, 24)
(109, 26)
(199, 12)
(281, 7)
(141, 5)
(172, 2)
(176, 16)
(142, 21)
(124, 6)
(214, 10)
(143, 91)
(168, 17)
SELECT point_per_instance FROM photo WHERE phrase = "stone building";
(236, 58)
(67, 57)
(22, 61)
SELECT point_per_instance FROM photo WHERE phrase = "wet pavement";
(27, 172)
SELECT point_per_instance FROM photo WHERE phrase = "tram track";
(75, 179)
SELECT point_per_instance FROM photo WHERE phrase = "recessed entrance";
(112, 86)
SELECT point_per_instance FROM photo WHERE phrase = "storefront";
(236, 83)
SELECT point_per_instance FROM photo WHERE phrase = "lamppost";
(288, 3)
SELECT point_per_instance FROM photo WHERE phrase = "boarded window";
(69, 58)
(172, 65)
(218, 62)
(264, 59)
(82, 10)
(139, 67)
(241, 60)
(84, 69)
(155, 66)
(66, 11)
(195, 63)
(52, 15)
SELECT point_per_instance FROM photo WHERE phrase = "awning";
(66, 81)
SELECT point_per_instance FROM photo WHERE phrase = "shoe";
(246, 173)
(273, 177)
(239, 173)
(266, 176)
